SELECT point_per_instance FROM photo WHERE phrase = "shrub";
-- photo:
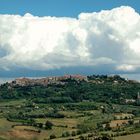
(52, 136)
(65, 134)
(48, 125)
(73, 133)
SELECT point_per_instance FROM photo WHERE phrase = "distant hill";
(73, 88)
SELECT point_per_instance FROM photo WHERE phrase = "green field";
(68, 121)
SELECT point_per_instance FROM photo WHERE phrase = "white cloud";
(126, 67)
(42, 43)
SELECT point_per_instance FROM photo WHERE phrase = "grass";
(5, 125)
(129, 137)
(11, 102)
(87, 118)
(61, 122)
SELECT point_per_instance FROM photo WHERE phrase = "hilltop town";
(95, 79)
(48, 80)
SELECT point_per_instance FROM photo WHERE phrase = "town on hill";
(47, 80)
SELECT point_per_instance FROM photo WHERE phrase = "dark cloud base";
(84, 70)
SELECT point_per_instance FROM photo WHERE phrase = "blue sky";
(69, 8)
(31, 45)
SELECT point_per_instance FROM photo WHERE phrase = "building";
(47, 80)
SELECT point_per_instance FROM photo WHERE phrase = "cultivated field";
(129, 137)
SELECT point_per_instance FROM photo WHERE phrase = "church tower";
(138, 98)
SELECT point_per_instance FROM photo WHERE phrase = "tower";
(138, 95)
(138, 98)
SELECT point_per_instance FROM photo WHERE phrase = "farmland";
(71, 124)
(62, 111)
(129, 137)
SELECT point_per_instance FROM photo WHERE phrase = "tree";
(40, 125)
(52, 136)
(65, 134)
(108, 126)
(73, 133)
(48, 125)
(104, 137)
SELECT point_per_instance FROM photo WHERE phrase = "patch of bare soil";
(24, 134)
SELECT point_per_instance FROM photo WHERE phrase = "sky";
(61, 8)
(51, 37)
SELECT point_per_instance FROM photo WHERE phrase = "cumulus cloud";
(109, 37)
